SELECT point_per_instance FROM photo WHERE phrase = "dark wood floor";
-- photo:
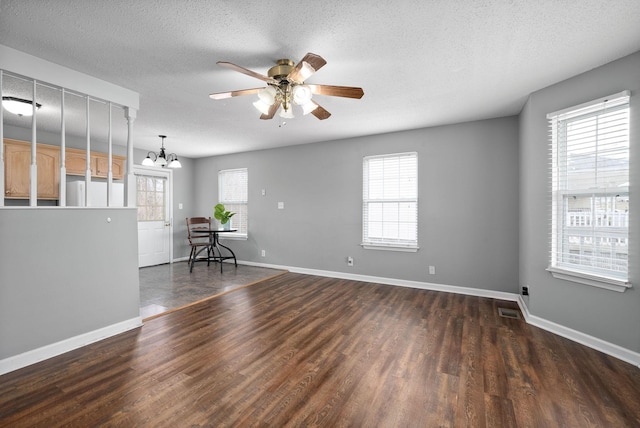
(300, 350)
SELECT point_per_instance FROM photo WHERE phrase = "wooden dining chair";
(198, 241)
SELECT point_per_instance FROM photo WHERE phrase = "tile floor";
(171, 286)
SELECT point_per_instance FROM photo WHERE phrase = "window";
(590, 192)
(151, 198)
(233, 190)
(390, 202)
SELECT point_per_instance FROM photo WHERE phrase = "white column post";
(87, 173)
(33, 170)
(1, 145)
(130, 180)
(109, 160)
(63, 154)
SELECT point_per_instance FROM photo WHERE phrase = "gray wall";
(468, 205)
(608, 315)
(65, 272)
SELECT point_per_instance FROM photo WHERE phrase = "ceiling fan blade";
(272, 111)
(320, 112)
(246, 71)
(306, 67)
(337, 91)
(230, 94)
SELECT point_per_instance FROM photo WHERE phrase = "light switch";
(179, 206)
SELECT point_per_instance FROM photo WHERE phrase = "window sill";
(387, 247)
(613, 284)
(232, 237)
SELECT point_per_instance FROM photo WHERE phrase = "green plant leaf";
(219, 213)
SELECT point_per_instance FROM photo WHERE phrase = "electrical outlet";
(264, 192)
(264, 253)
(349, 261)
(432, 270)
(280, 205)
(525, 291)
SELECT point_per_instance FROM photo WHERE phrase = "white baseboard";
(608, 348)
(39, 354)
(592, 342)
(501, 295)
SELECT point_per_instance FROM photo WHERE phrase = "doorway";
(155, 219)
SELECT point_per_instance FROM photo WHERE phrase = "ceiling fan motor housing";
(282, 69)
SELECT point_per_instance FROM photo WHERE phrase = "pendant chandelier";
(161, 159)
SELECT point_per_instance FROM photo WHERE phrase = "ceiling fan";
(286, 88)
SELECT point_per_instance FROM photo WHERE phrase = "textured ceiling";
(421, 63)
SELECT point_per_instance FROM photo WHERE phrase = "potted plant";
(222, 215)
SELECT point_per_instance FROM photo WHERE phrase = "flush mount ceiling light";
(161, 159)
(286, 88)
(19, 106)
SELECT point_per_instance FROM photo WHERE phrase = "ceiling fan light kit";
(262, 106)
(268, 95)
(285, 88)
(286, 113)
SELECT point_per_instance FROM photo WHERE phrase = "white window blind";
(590, 189)
(390, 201)
(233, 190)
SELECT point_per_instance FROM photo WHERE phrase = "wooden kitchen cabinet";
(17, 157)
(76, 164)
(100, 165)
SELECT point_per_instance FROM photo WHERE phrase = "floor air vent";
(509, 313)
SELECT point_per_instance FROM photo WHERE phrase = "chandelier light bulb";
(148, 161)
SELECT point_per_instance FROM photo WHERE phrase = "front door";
(153, 189)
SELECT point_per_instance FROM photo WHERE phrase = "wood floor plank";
(299, 350)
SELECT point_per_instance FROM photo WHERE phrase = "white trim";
(233, 236)
(613, 284)
(612, 97)
(49, 351)
(592, 342)
(389, 247)
(502, 295)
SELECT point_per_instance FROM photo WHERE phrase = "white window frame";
(573, 227)
(399, 195)
(235, 203)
